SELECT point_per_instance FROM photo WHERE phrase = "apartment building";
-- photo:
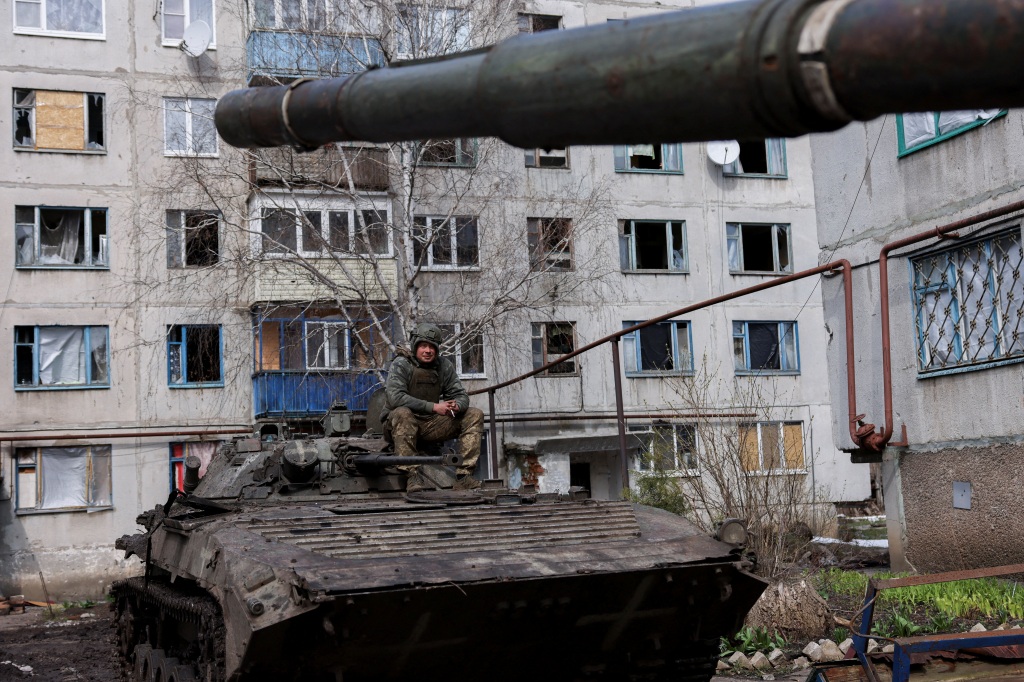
(954, 301)
(166, 291)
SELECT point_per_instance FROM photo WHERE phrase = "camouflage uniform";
(411, 391)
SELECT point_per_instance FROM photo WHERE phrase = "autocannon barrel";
(746, 70)
(369, 460)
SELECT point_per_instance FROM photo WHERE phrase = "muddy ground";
(77, 645)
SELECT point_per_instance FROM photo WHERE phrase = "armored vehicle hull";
(346, 577)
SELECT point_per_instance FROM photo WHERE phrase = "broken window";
(755, 247)
(204, 450)
(465, 348)
(192, 238)
(660, 349)
(440, 242)
(326, 345)
(431, 31)
(294, 15)
(188, 127)
(760, 157)
(535, 23)
(458, 151)
(551, 340)
(57, 120)
(313, 233)
(666, 447)
(969, 303)
(60, 237)
(178, 14)
(59, 16)
(765, 347)
(194, 355)
(63, 479)
(61, 357)
(771, 446)
(917, 131)
(556, 157)
(653, 245)
(550, 243)
(658, 158)
(299, 340)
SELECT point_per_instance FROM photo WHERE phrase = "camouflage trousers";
(404, 428)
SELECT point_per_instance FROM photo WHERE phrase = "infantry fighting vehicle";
(304, 559)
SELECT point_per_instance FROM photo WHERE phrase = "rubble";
(760, 662)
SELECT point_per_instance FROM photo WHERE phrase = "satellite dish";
(196, 38)
(724, 152)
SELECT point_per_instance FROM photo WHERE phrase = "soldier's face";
(425, 352)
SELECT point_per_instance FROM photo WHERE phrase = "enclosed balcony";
(279, 56)
(344, 167)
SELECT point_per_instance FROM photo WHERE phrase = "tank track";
(149, 618)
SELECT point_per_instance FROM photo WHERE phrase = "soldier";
(425, 400)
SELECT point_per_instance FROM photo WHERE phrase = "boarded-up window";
(63, 478)
(58, 120)
(771, 446)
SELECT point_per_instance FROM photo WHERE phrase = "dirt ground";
(77, 645)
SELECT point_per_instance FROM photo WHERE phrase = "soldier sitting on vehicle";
(425, 400)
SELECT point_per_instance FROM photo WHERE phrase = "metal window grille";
(969, 301)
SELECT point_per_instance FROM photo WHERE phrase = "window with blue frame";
(194, 356)
(760, 158)
(662, 349)
(61, 357)
(204, 450)
(969, 304)
(765, 347)
(653, 246)
(920, 130)
(62, 479)
(321, 342)
(649, 158)
(758, 248)
(52, 237)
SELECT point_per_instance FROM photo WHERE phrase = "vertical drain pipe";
(620, 413)
(494, 436)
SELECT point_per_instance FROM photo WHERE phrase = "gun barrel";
(746, 70)
(369, 461)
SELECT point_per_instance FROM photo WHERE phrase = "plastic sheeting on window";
(61, 356)
(951, 120)
(59, 237)
(918, 128)
(64, 473)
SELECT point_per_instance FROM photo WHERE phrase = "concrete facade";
(962, 419)
(139, 298)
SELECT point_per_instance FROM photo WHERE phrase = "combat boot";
(465, 482)
(416, 482)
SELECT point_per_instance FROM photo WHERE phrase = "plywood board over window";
(60, 120)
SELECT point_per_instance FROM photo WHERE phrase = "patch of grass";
(840, 635)
(750, 640)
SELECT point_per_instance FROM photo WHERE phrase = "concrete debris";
(739, 660)
(87, 615)
(846, 645)
(872, 646)
(888, 649)
(978, 627)
(760, 662)
(768, 678)
(812, 651)
(801, 663)
(777, 658)
(830, 651)
(722, 666)
(27, 669)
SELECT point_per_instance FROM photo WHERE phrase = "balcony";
(300, 394)
(281, 56)
(331, 165)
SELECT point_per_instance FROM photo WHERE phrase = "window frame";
(525, 22)
(761, 470)
(466, 152)
(541, 257)
(186, 9)
(902, 150)
(183, 357)
(632, 341)
(539, 334)
(429, 223)
(87, 235)
(621, 156)
(734, 235)
(952, 283)
(36, 358)
(409, 45)
(304, 24)
(729, 169)
(86, 120)
(177, 237)
(628, 254)
(300, 216)
(679, 455)
(277, 324)
(781, 334)
(42, 31)
(341, 328)
(533, 158)
(190, 151)
(456, 345)
(36, 466)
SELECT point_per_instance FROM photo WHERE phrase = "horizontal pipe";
(17, 438)
(596, 417)
(740, 70)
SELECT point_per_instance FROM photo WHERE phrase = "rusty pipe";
(12, 438)
(878, 440)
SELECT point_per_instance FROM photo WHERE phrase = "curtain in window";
(789, 359)
(671, 157)
(776, 155)
(977, 321)
(937, 324)
(61, 355)
(64, 473)
(205, 453)
(918, 128)
(78, 16)
(23, 244)
(59, 237)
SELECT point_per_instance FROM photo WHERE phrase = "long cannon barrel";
(742, 70)
(370, 461)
